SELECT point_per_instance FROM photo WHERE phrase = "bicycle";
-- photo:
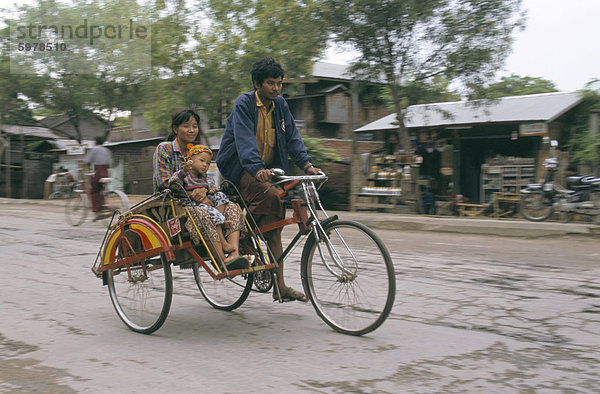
(79, 206)
(346, 270)
(64, 185)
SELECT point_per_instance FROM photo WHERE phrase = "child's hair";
(197, 149)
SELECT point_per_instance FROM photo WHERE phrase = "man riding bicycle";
(260, 134)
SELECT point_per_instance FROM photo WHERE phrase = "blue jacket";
(239, 149)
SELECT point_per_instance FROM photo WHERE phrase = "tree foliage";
(410, 42)
(226, 39)
(15, 92)
(583, 145)
(202, 51)
(95, 72)
(515, 85)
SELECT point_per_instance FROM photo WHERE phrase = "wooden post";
(354, 159)
(8, 165)
(24, 179)
(594, 133)
(456, 165)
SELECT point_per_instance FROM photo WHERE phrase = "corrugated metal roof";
(41, 132)
(535, 107)
(339, 71)
(388, 122)
(330, 70)
(118, 143)
(66, 144)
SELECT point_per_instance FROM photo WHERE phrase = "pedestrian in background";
(99, 157)
(427, 201)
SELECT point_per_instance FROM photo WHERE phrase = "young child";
(224, 214)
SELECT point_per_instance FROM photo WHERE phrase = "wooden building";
(86, 126)
(27, 158)
(323, 104)
(459, 141)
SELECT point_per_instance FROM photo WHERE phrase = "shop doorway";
(475, 151)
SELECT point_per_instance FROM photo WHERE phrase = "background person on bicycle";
(261, 133)
(99, 157)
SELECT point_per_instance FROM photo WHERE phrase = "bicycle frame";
(154, 238)
(312, 224)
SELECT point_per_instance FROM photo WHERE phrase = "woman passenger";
(169, 158)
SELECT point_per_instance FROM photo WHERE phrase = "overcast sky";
(561, 43)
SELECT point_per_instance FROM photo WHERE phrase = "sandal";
(291, 295)
(238, 263)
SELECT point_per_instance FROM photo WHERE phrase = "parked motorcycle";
(541, 200)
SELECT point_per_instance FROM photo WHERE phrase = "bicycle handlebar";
(280, 174)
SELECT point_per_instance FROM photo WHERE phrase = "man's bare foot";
(289, 294)
(228, 248)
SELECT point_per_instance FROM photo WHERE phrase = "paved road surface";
(473, 313)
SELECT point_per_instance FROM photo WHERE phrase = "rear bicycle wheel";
(349, 277)
(76, 209)
(225, 294)
(141, 291)
(536, 207)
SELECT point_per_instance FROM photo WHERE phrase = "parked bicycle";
(78, 207)
(347, 272)
(64, 184)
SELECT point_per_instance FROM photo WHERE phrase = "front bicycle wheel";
(76, 209)
(225, 294)
(349, 277)
(141, 291)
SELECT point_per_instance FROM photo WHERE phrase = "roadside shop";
(474, 153)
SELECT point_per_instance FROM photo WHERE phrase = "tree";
(410, 42)
(199, 56)
(14, 108)
(94, 54)
(436, 90)
(173, 56)
(209, 65)
(241, 32)
(582, 143)
(515, 85)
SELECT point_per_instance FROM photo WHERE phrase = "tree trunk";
(402, 131)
